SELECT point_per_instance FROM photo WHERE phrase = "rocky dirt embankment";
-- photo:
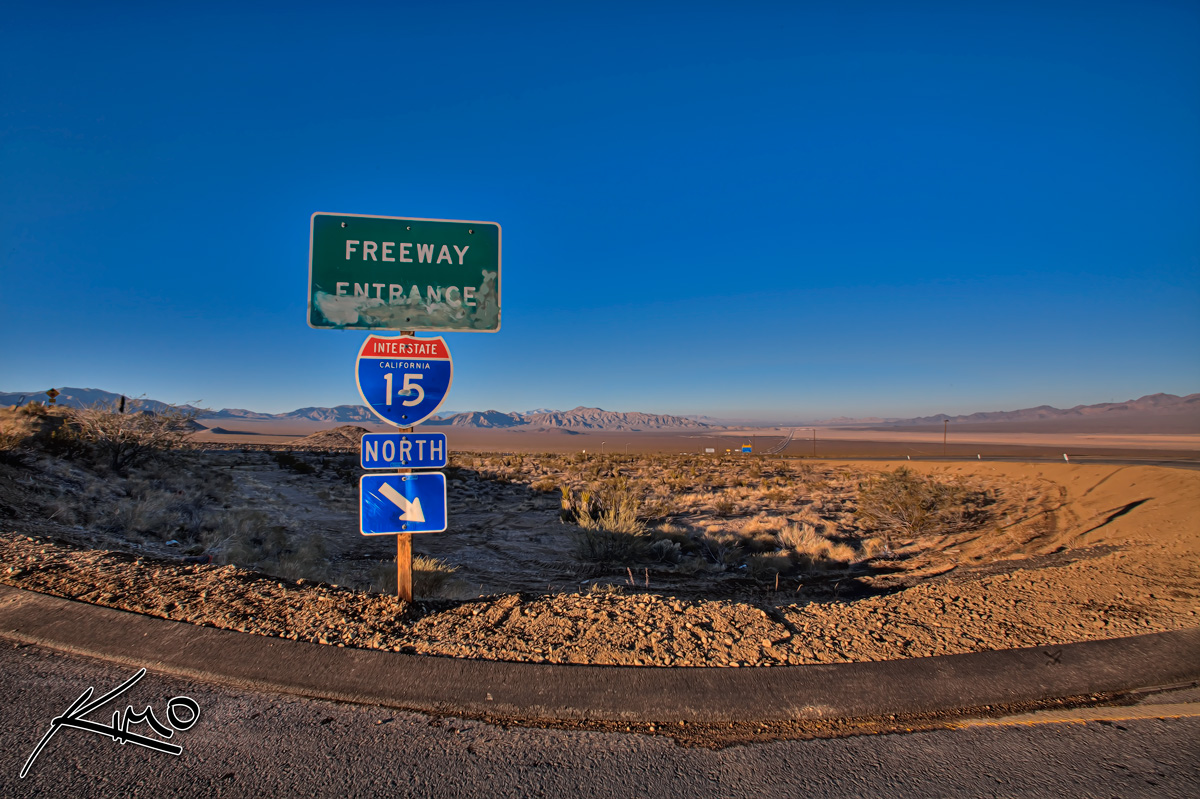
(1104, 594)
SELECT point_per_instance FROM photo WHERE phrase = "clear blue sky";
(779, 211)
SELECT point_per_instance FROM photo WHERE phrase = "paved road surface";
(1173, 463)
(249, 744)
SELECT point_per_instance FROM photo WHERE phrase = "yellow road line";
(1086, 714)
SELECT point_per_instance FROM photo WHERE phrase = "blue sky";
(755, 210)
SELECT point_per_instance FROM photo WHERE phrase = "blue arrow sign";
(402, 503)
(403, 451)
(403, 379)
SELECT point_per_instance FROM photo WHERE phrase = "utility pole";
(945, 427)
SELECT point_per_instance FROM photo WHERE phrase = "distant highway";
(1181, 463)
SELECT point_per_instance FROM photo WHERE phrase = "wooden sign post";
(404, 574)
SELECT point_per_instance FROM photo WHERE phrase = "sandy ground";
(1110, 551)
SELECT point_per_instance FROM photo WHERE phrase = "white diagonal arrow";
(409, 511)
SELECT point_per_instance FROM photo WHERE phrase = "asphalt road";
(1173, 463)
(254, 744)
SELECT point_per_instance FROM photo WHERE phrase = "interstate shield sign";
(403, 379)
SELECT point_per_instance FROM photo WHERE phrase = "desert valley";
(632, 539)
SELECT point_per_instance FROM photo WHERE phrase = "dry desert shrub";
(163, 502)
(289, 461)
(122, 440)
(664, 550)
(671, 531)
(905, 504)
(722, 547)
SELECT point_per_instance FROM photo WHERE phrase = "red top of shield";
(404, 347)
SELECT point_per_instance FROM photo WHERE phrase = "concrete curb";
(602, 693)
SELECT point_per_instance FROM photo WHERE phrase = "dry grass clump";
(18, 425)
(610, 547)
(35, 428)
(765, 565)
(544, 486)
(272, 551)
(765, 523)
(432, 578)
(723, 548)
(613, 511)
(158, 512)
(807, 547)
(723, 506)
(611, 529)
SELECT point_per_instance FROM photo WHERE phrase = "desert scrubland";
(655, 556)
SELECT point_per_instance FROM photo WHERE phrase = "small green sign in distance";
(397, 273)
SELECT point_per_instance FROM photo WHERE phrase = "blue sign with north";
(403, 451)
(402, 503)
(403, 379)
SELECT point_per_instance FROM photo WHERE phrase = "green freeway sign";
(394, 273)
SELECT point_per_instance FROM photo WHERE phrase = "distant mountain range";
(1163, 412)
(577, 418)
(1151, 405)
(580, 418)
(342, 414)
(76, 398)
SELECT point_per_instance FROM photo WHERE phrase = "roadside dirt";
(1106, 551)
